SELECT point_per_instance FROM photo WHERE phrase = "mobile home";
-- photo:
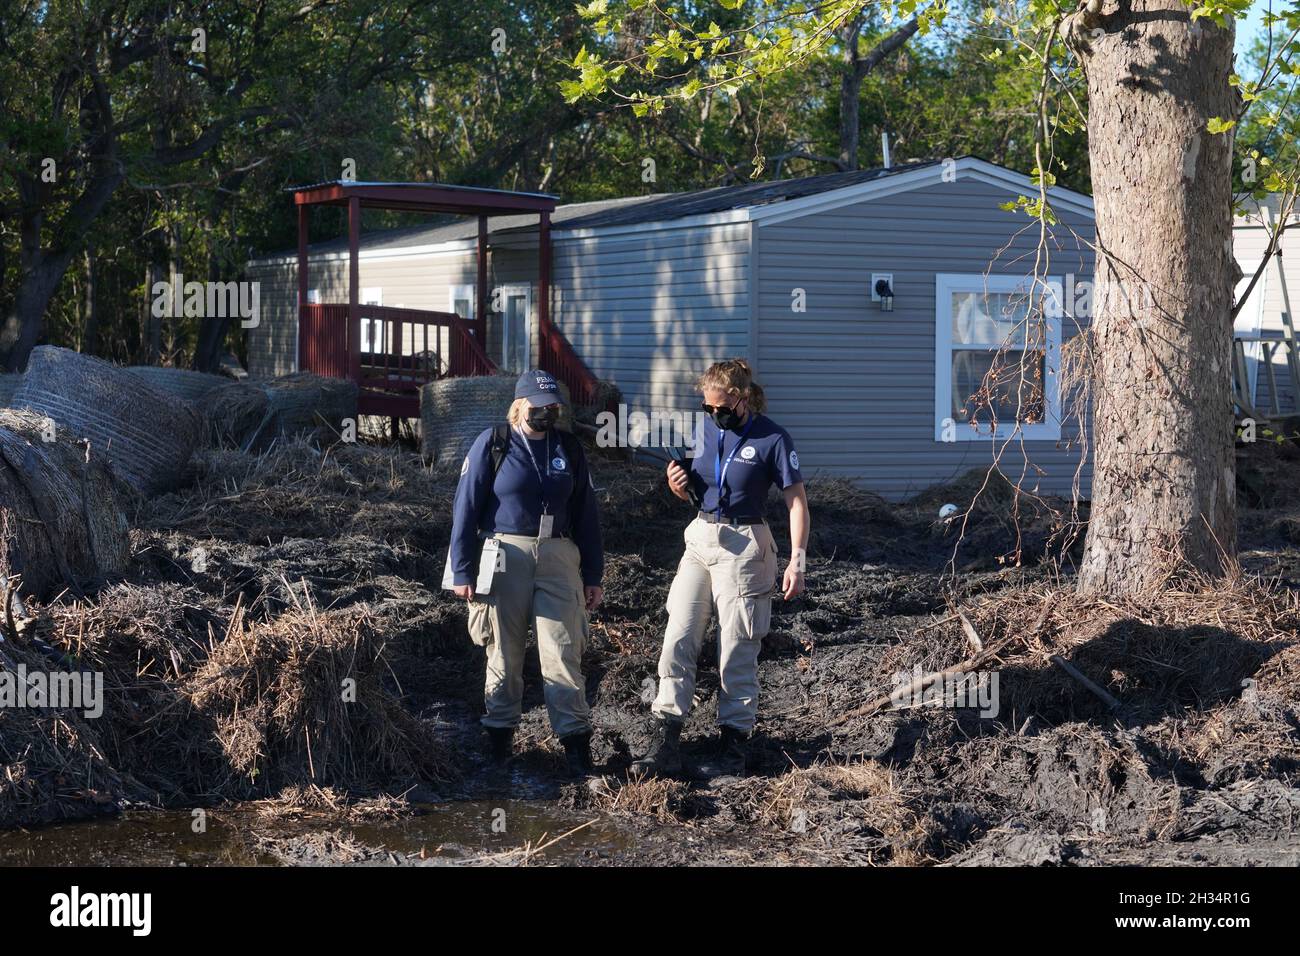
(870, 304)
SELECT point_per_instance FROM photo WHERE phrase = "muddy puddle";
(494, 832)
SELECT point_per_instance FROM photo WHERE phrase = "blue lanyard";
(719, 466)
(538, 468)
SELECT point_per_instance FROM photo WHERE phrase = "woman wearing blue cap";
(525, 506)
(729, 568)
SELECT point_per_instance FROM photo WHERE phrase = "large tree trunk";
(90, 304)
(151, 346)
(43, 267)
(213, 329)
(25, 323)
(850, 89)
(1163, 476)
(856, 68)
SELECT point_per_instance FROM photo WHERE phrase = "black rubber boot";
(729, 761)
(503, 741)
(577, 752)
(664, 758)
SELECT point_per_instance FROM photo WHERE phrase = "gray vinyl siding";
(1249, 243)
(650, 310)
(855, 386)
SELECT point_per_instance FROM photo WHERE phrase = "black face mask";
(727, 418)
(540, 419)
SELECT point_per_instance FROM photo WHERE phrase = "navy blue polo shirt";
(764, 457)
(511, 502)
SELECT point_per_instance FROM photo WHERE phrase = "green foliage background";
(286, 90)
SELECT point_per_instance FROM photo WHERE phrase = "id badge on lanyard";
(546, 524)
(720, 467)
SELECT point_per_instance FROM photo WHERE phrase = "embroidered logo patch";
(747, 452)
(557, 463)
(794, 459)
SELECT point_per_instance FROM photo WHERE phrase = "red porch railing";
(400, 351)
(390, 353)
(556, 355)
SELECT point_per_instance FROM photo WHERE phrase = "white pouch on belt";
(491, 560)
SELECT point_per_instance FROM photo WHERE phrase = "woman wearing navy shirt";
(730, 566)
(529, 488)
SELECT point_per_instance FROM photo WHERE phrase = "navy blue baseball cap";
(539, 387)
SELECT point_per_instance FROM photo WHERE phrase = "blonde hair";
(735, 377)
(518, 411)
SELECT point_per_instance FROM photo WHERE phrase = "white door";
(516, 327)
(461, 301)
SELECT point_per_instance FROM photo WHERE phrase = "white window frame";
(373, 295)
(467, 292)
(947, 283)
(502, 293)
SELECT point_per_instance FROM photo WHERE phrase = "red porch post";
(481, 285)
(354, 281)
(302, 282)
(544, 288)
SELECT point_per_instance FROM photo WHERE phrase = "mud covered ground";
(1197, 762)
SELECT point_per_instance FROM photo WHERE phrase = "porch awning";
(424, 197)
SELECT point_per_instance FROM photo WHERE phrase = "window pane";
(980, 318)
(1016, 390)
(516, 327)
(463, 306)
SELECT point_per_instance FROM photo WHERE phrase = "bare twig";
(1086, 681)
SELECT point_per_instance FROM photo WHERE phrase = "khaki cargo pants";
(542, 586)
(732, 569)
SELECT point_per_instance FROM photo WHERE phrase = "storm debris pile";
(61, 523)
(52, 761)
(302, 698)
(270, 585)
(180, 382)
(256, 415)
(254, 644)
(145, 435)
(1198, 707)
